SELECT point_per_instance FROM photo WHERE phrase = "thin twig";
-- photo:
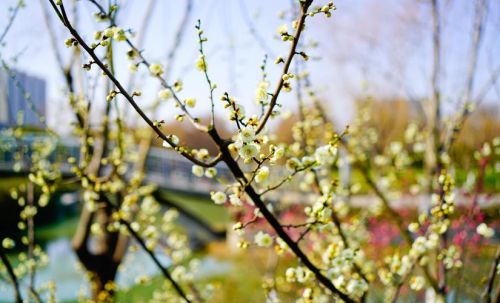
(162, 268)
(491, 278)
(296, 37)
(272, 220)
(181, 29)
(127, 96)
(31, 236)
(477, 37)
(224, 156)
(12, 275)
(253, 31)
(12, 17)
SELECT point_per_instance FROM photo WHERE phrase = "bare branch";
(433, 109)
(300, 27)
(164, 271)
(487, 86)
(488, 292)
(253, 31)
(271, 219)
(477, 35)
(11, 274)
(127, 96)
(12, 17)
(80, 239)
(141, 34)
(181, 29)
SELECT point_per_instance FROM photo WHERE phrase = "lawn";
(242, 283)
(62, 229)
(200, 206)
(7, 183)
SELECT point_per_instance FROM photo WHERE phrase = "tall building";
(22, 99)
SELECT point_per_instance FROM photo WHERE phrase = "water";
(70, 280)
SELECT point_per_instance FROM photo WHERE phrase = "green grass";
(140, 293)
(242, 283)
(201, 206)
(63, 229)
(7, 183)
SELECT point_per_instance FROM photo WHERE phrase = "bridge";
(163, 167)
(171, 172)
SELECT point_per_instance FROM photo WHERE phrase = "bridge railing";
(163, 167)
(16, 153)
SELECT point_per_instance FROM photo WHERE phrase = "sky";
(368, 47)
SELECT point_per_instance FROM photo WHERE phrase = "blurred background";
(375, 55)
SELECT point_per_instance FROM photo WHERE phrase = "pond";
(70, 280)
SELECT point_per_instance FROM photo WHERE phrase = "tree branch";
(11, 274)
(12, 17)
(163, 270)
(124, 92)
(477, 35)
(491, 278)
(271, 219)
(300, 27)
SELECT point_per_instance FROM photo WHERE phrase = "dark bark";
(101, 264)
(12, 275)
(275, 224)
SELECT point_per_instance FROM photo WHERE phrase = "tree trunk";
(101, 261)
(102, 279)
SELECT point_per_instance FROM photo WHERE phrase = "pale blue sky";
(386, 43)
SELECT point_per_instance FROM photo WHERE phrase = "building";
(22, 99)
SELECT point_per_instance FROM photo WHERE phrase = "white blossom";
(263, 239)
(201, 64)
(8, 243)
(218, 197)
(283, 29)
(292, 164)
(173, 138)
(417, 283)
(246, 134)
(261, 95)
(413, 227)
(290, 274)
(485, 231)
(197, 170)
(156, 69)
(211, 172)
(262, 174)
(165, 94)
(278, 153)
(203, 154)
(190, 102)
(325, 155)
(249, 151)
(356, 287)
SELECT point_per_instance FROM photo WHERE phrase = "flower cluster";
(318, 190)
